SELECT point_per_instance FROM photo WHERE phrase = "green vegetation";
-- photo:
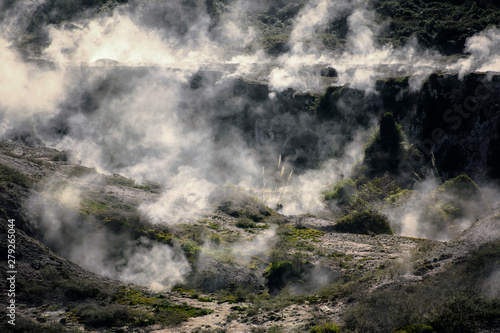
(443, 25)
(277, 273)
(163, 310)
(325, 328)
(245, 223)
(11, 175)
(341, 192)
(378, 189)
(117, 179)
(360, 200)
(298, 234)
(364, 222)
(467, 314)
(60, 157)
(59, 283)
(414, 329)
(462, 187)
(170, 314)
(191, 250)
(115, 315)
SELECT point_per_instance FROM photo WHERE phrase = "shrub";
(364, 222)
(325, 328)
(174, 314)
(79, 171)
(245, 223)
(414, 329)
(449, 204)
(450, 301)
(342, 191)
(191, 250)
(117, 179)
(467, 314)
(279, 273)
(79, 289)
(378, 189)
(114, 315)
(60, 157)
(462, 187)
(24, 325)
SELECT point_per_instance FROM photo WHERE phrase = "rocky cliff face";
(453, 119)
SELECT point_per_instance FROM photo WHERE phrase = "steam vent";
(250, 166)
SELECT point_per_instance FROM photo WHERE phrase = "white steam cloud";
(139, 261)
(484, 49)
(25, 89)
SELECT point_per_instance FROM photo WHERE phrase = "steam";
(245, 250)
(116, 38)
(139, 261)
(408, 218)
(491, 285)
(484, 48)
(15, 16)
(360, 64)
(427, 212)
(25, 89)
(159, 266)
(304, 194)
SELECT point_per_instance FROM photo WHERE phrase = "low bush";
(24, 325)
(462, 187)
(170, 314)
(114, 315)
(342, 191)
(191, 250)
(245, 223)
(364, 222)
(467, 314)
(325, 328)
(79, 289)
(280, 273)
(419, 328)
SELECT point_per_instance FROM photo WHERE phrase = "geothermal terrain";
(250, 166)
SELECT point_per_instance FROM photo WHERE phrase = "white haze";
(139, 261)
(484, 49)
(25, 89)
(303, 195)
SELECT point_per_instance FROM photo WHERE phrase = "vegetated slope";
(439, 25)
